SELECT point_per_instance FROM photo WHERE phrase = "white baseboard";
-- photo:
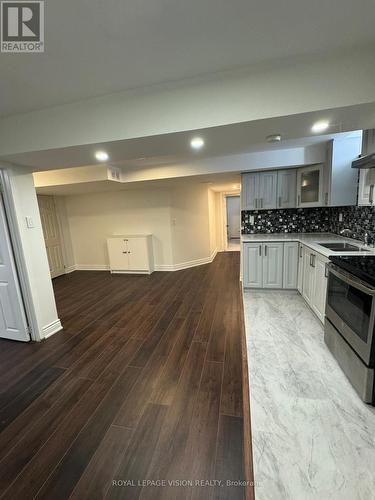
(91, 267)
(70, 269)
(186, 265)
(51, 329)
(160, 267)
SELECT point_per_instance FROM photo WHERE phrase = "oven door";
(351, 308)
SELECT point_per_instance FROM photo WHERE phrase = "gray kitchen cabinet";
(259, 190)
(267, 190)
(308, 275)
(314, 288)
(286, 188)
(263, 265)
(249, 191)
(300, 268)
(290, 268)
(366, 189)
(252, 265)
(318, 300)
(273, 265)
(310, 183)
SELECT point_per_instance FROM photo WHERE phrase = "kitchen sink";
(342, 247)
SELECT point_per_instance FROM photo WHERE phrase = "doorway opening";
(233, 222)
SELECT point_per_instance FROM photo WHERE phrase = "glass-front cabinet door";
(310, 186)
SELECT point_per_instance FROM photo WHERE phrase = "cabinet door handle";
(261, 203)
(371, 196)
(265, 250)
(260, 250)
(313, 260)
(279, 201)
(326, 271)
(298, 200)
(300, 251)
(256, 202)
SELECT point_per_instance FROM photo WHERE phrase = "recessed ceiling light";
(101, 156)
(320, 126)
(197, 143)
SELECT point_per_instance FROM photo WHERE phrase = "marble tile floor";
(313, 438)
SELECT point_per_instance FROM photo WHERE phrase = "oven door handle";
(347, 278)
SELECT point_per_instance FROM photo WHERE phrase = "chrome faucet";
(349, 232)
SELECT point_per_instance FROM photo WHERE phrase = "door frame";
(15, 238)
(224, 197)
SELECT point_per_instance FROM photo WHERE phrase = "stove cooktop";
(361, 266)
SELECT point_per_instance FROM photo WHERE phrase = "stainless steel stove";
(350, 318)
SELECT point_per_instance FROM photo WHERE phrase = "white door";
(233, 217)
(138, 254)
(273, 265)
(13, 324)
(252, 265)
(51, 234)
(118, 252)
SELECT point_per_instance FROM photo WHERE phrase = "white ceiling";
(219, 141)
(95, 47)
(227, 182)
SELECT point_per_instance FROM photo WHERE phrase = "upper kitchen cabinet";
(249, 191)
(310, 181)
(367, 175)
(286, 188)
(267, 190)
(259, 190)
(366, 187)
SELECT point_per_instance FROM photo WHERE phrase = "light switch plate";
(30, 222)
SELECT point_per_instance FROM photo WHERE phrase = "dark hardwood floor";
(140, 393)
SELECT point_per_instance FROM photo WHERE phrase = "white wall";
(181, 219)
(94, 217)
(190, 224)
(295, 86)
(41, 301)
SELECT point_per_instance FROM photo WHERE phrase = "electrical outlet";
(252, 220)
(340, 217)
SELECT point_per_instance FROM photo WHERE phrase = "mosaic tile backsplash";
(311, 220)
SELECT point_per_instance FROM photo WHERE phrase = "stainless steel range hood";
(367, 158)
(367, 161)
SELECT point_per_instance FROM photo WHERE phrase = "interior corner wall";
(190, 224)
(219, 221)
(40, 299)
(94, 217)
